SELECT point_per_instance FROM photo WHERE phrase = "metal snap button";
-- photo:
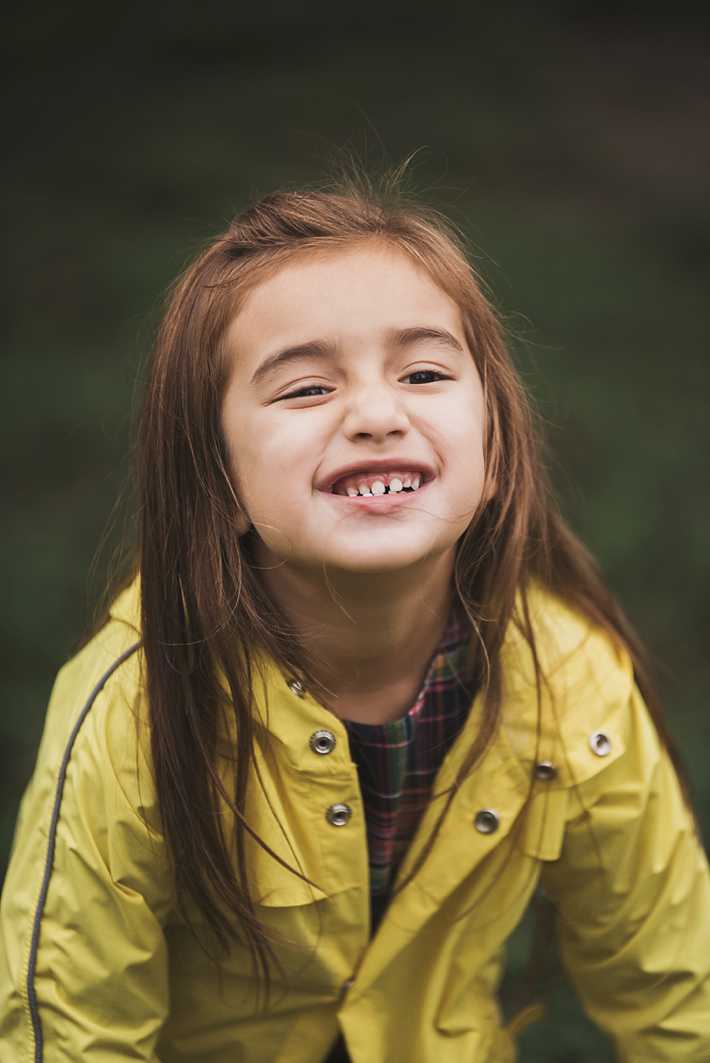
(600, 744)
(322, 742)
(545, 770)
(338, 815)
(296, 687)
(486, 821)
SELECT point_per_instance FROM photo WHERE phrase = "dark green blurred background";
(572, 149)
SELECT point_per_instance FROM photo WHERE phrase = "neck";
(368, 638)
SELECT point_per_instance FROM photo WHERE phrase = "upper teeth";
(377, 483)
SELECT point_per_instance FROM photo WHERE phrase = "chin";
(378, 562)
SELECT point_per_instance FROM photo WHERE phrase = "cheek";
(285, 448)
(267, 465)
(457, 429)
(465, 439)
(468, 424)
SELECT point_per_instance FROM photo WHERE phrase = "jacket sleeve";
(632, 892)
(83, 959)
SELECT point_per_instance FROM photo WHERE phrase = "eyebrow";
(396, 338)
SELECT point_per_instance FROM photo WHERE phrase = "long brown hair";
(204, 610)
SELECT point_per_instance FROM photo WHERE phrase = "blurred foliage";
(570, 146)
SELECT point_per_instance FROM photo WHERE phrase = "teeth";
(380, 485)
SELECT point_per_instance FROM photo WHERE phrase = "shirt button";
(600, 743)
(338, 815)
(545, 770)
(296, 687)
(322, 742)
(486, 821)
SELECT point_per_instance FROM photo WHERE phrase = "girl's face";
(353, 364)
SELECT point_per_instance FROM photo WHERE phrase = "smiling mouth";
(380, 483)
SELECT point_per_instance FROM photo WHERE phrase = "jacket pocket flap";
(544, 825)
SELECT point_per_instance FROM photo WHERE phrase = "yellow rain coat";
(96, 966)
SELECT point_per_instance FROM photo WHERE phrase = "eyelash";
(300, 393)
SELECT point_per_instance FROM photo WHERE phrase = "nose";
(375, 412)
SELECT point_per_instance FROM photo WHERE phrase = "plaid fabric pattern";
(397, 761)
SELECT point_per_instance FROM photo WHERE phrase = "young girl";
(365, 694)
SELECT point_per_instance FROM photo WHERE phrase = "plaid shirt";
(398, 761)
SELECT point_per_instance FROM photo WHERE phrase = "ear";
(241, 522)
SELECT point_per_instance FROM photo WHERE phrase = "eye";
(302, 393)
(426, 372)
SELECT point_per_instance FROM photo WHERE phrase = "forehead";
(343, 295)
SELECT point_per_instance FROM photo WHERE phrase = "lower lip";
(379, 503)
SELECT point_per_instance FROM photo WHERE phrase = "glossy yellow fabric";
(118, 976)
